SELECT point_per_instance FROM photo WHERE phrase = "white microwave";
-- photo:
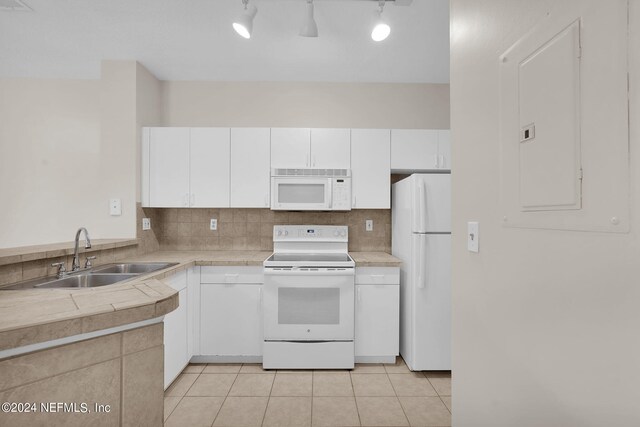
(311, 189)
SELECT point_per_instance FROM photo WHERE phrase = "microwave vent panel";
(312, 172)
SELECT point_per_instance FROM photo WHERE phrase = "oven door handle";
(296, 271)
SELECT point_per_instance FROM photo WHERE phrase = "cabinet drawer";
(377, 276)
(225, 274)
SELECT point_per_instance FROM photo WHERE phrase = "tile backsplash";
(252, 229)
(238, 229)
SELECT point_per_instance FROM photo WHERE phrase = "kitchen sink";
(93, 277)
(75, 280)
(86, 281)
(132, 268)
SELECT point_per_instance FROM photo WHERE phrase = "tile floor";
(246, 395)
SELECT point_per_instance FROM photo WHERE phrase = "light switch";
(473, 237)
(146, 224)
(368, 225)
(213, 225)
(115, 207)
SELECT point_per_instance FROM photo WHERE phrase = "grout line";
(268, 398)
(181, 397)
(225, 397)
(313, 375)
(445, 405)
(354, 396)
(174, 408)
(397, 397)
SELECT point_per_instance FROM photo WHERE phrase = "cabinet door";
(290, 147)
(176, 351)
(414, 150)
(330, 148)
(377, 320)
(169, 167)
(209, 176)
(444, 149)
(370, 169)
(250, 167)
(193, 319)
(231, 320)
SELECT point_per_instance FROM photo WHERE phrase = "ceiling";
(194, 40)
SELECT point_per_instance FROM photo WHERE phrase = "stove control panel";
(325, 233)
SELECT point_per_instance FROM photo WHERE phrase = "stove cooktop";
(339, 259)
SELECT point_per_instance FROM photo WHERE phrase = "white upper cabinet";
(420, 150)
(370, 168)
(250, 167)
(185, 167)
(310, 148)
(414, 149)
(168, 153)
(444, 149)
(223, 167)
(209, 172)
(290, 147)
(330, 148)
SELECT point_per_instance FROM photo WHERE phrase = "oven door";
(310, 304)
(300, 194)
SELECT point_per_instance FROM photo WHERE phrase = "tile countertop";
(190, 258)
(38, 315)
(32, 253)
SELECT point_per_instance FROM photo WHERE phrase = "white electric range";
(309, 299)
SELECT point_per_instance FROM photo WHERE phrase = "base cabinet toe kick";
(222, 314)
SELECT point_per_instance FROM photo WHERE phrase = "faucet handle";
(87, 263)
(61, 268)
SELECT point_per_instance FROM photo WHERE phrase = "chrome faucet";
(75, 265)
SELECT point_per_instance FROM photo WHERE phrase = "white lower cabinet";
(231, 314)
(377, 316)
(176, 326)
(220, 316)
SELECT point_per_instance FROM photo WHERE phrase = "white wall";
(49, 159)
(545, 323)
(148, 111)
(118, 157)
(67, 147)
(273, 104)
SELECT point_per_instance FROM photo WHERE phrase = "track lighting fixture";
(381, 29)
(309, 28)
(244, 23)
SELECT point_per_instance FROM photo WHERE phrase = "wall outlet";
(115, 207)
(368, 225)
(146, 224)
(473, 237)
(213, 225)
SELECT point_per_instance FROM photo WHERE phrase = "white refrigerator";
(421, 238)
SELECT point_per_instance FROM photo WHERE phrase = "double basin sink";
(98, 276)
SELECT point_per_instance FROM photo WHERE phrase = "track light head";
(381, 28)
(244, 23)
(309, 28)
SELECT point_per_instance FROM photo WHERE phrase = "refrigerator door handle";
(421, 264)
(422, 208)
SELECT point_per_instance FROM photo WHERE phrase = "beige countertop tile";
(375, 259)
(32, 253)
(30, 312)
